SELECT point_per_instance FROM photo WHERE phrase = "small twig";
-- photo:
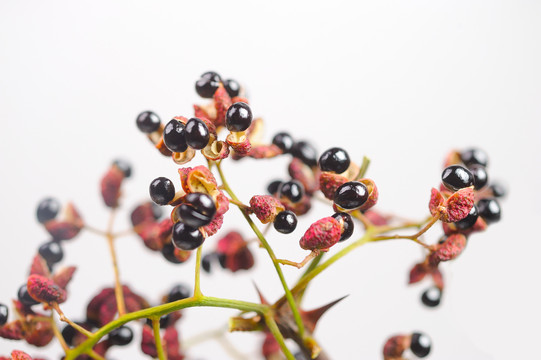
(299, 265)
(94, 355)
(64, 318)
(197, 287)
(157, 338)
(119, 293)
(95, 231)
(362, 218)
(364, 168)
(58, 334)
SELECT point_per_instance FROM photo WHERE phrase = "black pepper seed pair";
(301, 150)
(177, 136)
(209, 82)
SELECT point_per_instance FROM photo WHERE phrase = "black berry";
(274, 186)
(121, 336)
(178, 292)
(293, 190)
(232, 87)
(456, 177)
(222, 260)
(47, 209)
(186, 237)
(480, 176)
(347, 227)
(24, 296)
(489, 210)
(69, 333)
(174, 136)
(168, 252)
(206, 261)
(285, 222)
(351, 195)
(469, 220)
(148, 122)
(207, 84)
(420, 344)
(284, 141)
(498, 190)
(197, 210)
(197, 134)
(474, 156)
(4, 313)
(123, 166)
(162, 190)
(431, 297)
(335, 160)
(305, 152)
(52, 252)
(238, 117)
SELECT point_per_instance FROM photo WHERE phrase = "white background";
(402, 82)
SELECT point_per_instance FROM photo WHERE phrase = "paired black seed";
(123, 166)
(456, 177)
(4, 313)
(474, 156)
(238, 117)
(489, 210)
(347, 227)
(232, 87)
(420, 344)
(335, 159)
(197, 134)
(174, 136)
(284, 141)
(162, 190)
(480, 176)
(292, 190)
(52, 252)
(148, 122)
(168, 252)
(285, 222)
(186, 237)
(305, 152)
(178, 292)
(431, 297)
(24, 296)
(121, 336)
(469, 220)
(351, 195)
(207, 84)
(47, 210)
(274, 186)
(197, 210)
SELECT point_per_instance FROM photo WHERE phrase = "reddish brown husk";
(214, 226)
(372, 194)
(237, 254)
(305, 175)
(329, 182)
(12, 330)
(239, 142)
(222, 102)
(63, 276)
(270, 348)
(395, 347)
(38, 333)
(68, 227)
(182, 255)
(20, 355)
(449, 250)
(142, 214)
(162, 148)
(102, 308)
(39, 267)
(418, 273)
(376, 218)
(436, 200)
(321, 235)
(265, 207)
(452, 158)
(201, 113)
(458, 205)
(264, 151)
(110, 186)
(216, 150)
(45, 290)
(148, 343)
(299, 208)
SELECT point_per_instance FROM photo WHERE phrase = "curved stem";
(364, 168)
(119, 293)
(158, 338)
(197, 287)
(58, 334)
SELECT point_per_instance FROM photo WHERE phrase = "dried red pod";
(321, 235)
(182, 255)
(148, 343)
(22, 309)
(264, 151)
(38, 333)
(270, 347)
(12, 330)
(160, 145)
(93, 307)
(45, 290)
(299, 208)
(20, 355)
(39, 267)
(142, 214)
(198, 179)
(62, 230)
(222, 102)
(376, 218)
(329, 182)
(107, 311)
(139, 300)
(172, 344)
(182, 158)
(437, 277)
(436, 201)
(110, 186)
(395, 346)
(63, 276)
(202, 113)
(237, 254)
(213, 227)
(304, 174)
(373, 194)
(222, 204)
(449, 250)
(239, 142)
(149, 233)
(458, 205)
(418, 273)
(215, 150)
(265, 207)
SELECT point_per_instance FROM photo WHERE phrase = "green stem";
(364, 168)
(197, 287)
(158, 338)
(273, 328)
(288, 294)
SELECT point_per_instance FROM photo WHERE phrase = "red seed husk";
(305, 175)
(458, 205)
(265, 207)
(436, 200)
(264, 151)
(45, 290)
(63, 276)
(20, 355)
(39, 267)
(395, 346)
(373, 194)
(110, 186)
(449, 250)
(142, 214)
(329, 182)
(222, 102)
(321, 235)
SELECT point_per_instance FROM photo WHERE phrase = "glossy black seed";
(52, 252)
(197, 134)
(207, 84)
(293, 190)
(348, 226)
(206, 262)
(69, 333)
(222, 260)
(157, 211)
(197, 210)
(24, 297)
(469, 220)
(351, 195)
(4, 313)
(285, 222)
(121, 336)
(489, 210)
(186, 238)
(178, 292)
(284, 141)
(47, 210)
(420, 344)
(168, 252)
(274, 186)
(162, 190)
(335, 160)
(498, 190)
(232, 87)
(148, 122)
(305, 152)
(480, 176)
(123, 166)
(456, 177)
(474, 156)
(238, 117)
(431, 297)
(174, 136)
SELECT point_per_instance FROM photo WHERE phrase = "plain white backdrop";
(402, 82)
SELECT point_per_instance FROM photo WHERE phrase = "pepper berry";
(431, 297)
(52, 252)
(178, 292)
(238, 117)
(351, 195)
(480, 176)
(498, 190)
(456, 177)
(162, 190)
(4, 313)
(197, 134)
(206, 261)
(174, 136)
(474, 156)
(274, 186)
(168, 252)
(335, 159)
(121, 336)
(186, 237)
(305, 152)
(284, 141)
(420, 344)
(469, 220)
(293, 190)
(197, 210)
(47, 210)
(207, 84)
(232, 87)
(148, 122)
(24, 296)
(347, 224)
(285, 222)
(489, 210)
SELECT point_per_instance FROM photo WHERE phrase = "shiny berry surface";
(4, 313)
(456, 177)
(121, 336)
(474, 156)
(168, 252)
(197, 210)
(335, 160)
(52, 252)
(232, 87)
(162, 190)
(305, 152)
(351, 195)
(24, 297)
(207, 84)
(123, 166)
(174, 136)
(186, 237)
(284, 141)
(148, 122)
(480, 176)
(292, 190)
(47, 209)
(178, 292)
(489, 210)
(238, 117)
(431, 297)
(347, 225)
(285, 222)
(469, 220)
(420, 344)
(197, 134)
(274, 186)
